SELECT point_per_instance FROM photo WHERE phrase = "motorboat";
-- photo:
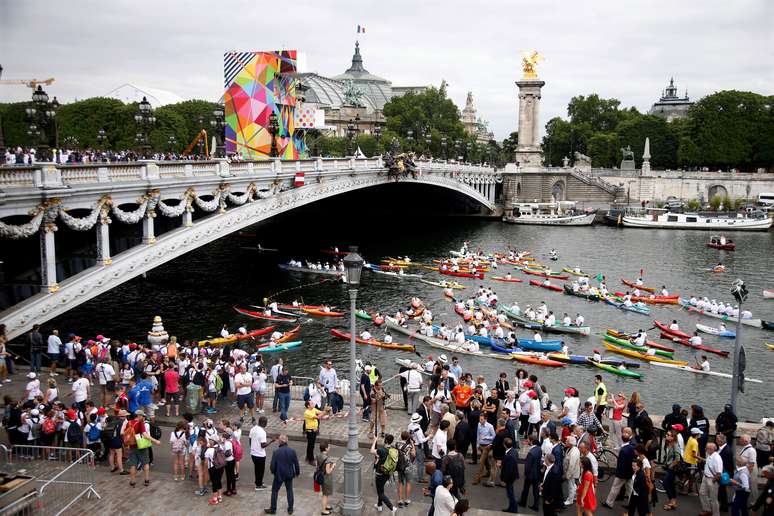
(721, 242)
(661, 218)
(562, 213)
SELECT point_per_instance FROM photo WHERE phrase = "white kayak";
(396, 274)
(699, 371)
(450, 347)
(768, 294)
(756, 323)
(716, 331)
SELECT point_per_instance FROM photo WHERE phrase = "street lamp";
(101, 137)
(739, 291)
(42, 115)
(145, 120)
(443, 146)
(219, 125)
(410, 140)
(172, 142)
(353, 488)
(351, 133)
(273, 129)
(428, 142)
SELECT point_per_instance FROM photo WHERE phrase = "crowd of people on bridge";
(29, 156)
(461, 429)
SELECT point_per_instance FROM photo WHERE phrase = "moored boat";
(563, 213)
(662, 218)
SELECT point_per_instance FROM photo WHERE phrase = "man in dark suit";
(509, 473)
(424, 411)
(553, 498)
(284, 467)
(729, 466)
(532, 478)
(462, 434)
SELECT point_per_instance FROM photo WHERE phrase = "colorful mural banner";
(257, 85)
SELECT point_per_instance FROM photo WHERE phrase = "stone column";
(48, 281)
(528, 153)
(103, 238)
(148, 235)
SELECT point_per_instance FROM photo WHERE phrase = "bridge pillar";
(48, 281)
(148, 235)
(103, 239)
(188, 216)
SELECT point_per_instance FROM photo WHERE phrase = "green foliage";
(739, 203)
(693, 205)
(728, 203)
(603, 149)
(14, 120)
(599, 115)
(663, 144)
(715, 202)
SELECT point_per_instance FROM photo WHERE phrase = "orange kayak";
(322, 313)
(289, 335)
(530, 359)
(372, 342)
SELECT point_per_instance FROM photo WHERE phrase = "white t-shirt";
(257, 438)
(105, 373)
(247, 381)
(413, 380)
(571, 404)
(80, 389)
(69, 350)
(53, 344)
(33, 387)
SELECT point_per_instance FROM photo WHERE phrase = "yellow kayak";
(643, 356)
(770, 346)
(572, 271)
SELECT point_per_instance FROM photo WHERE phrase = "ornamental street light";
(352, 131)
(218, 124)
(145, 120)
(410, 140)
(428, 142)
(443, 147)
(377, 137)
(42, 115)
(172, 142)
(273, 130)
(101, 138)
(353, 489)
(200, 140)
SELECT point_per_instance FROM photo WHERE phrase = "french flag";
(299, 181)
(361, 29)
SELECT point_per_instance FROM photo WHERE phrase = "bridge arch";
(233, 208)
(717, 190)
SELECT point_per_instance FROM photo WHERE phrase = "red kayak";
(301, 307)
(479, 275)
(549, 287)
(634, 285)
(509, 280)
(701, 347)
(675, 333)
(260, 315)
(547, 276)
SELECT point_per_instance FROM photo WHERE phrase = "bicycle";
(687, 481)
(606, 463)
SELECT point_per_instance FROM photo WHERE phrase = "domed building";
(670, 106)
(355, 96)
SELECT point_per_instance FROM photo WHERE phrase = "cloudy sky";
(618, 48)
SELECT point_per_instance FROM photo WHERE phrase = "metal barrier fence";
(62, 476)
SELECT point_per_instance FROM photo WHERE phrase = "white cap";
(443, 359)
(31, 374)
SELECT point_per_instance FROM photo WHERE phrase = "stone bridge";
(233, 194)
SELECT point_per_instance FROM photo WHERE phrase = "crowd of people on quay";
(461, 430)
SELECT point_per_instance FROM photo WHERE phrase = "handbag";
(143, 442)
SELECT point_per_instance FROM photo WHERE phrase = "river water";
(194, 294)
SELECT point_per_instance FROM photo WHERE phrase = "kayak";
(587, 295)
(322, 313)
(281, 347)
(509, 280)
(677, 333)
(297, 308)
(615, 370)
(638, 309)
(334, 252)
(648, 343)
(728, 246)
(533, 345)
(555, 275)
(634, 285)
(568, 359)
(560, 328)
(396, 274)
(699, 371)
(372, 342)
(219, 341)
(572, 271)
(555, 288)
(443, 284)
(768, 294)
(702, 347)
(642, 349)
(531, 359)
(770, 346)
(755, 323)
(290, 334)
(716, 331)
(260, 315)
(479, 275)
(642, 356)
(653, 300)
(362, 314)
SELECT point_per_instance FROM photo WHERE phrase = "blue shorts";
(245, 399)
(54, 357)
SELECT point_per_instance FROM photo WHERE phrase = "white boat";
(690, 369)
(768, 294)
(396, 274)
(561, 213)
(715, 331)
(661, 218)
(755, 323)
(307, 270)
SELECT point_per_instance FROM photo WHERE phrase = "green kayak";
(362, 314)
(284, 346)
(615, 370)
(624, 343)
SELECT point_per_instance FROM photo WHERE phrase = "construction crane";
(201, 135)
(31, 83)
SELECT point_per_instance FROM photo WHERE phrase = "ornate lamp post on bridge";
(351, 133)
(378, 138)
(145, 120)
(428, 142)
(218, 124)
(443, 147)
(273, 130)
(353, 487)
(42, 116)
(410, 140)
(101, 137)
(172, 142)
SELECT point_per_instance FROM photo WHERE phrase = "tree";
(599, 114)
(663, 143)
(603, 149)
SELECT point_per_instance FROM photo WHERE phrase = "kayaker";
(276, 335)
(537, 337)
(550, 320)
(651, 352)
(695, 340)
(387, 338)
(508, 276)
(242, 330)
(746, 314)
(579, 320)
(596, 357)
(674, 326)
(498, 332)
(640, 338)
(638, 282)
(224, 332)
(704, 365)
(693, 301)
(664, 291)
(365, 335)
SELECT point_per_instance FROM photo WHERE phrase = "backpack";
(155, 431)
(128, 435)
(218, 382)
(404, 457)
(35, 427)
(94, 433)
(306, 394)
(390, 462)
(178, 443)
(74, 433)
(237, 449)
(319, 474)
(219, 458)
(49, 426)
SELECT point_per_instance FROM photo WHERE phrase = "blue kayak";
(637, 308)
(546, 345)
(284, 346)
(503, 349)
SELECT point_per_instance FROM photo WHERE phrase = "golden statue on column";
(528, 62)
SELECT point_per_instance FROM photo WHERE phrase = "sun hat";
(139, 412)
(696, 431)
(443, 359)
(123, 413)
